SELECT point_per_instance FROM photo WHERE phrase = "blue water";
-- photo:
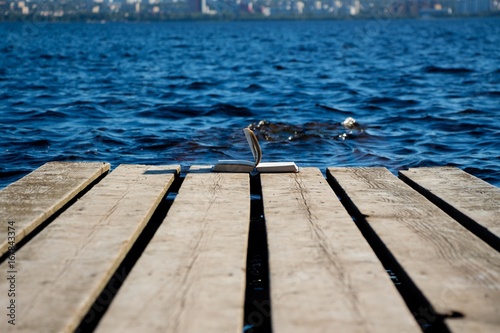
(422, 93)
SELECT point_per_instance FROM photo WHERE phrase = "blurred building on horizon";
(165, 9)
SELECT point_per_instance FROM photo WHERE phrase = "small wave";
(105, 81)
(146, 139)
(164, 146)
(488, 173)
(87, 111)
(169, 95)
(391, 101)
(438, 147)
(50, 114)
(107, 139)
(492, 93)
(348, 45)
(111, 101)
(307, 48)
(36, 87)
(43, 96)
(183, 112)
(18, 103)
(175, 77)
(200, 85)
(181, 46)
(47, 56)
(331, 108)
(255, 74)
(470, 111)
(335, 86)
(40, 143)
(7, 49)
(422, 163)
(253, 88)
(175, 38)
(446, 70)
(5, 96)
(229, 110)
(170, 112)
(405, 151)
(451, 126)
(10, 176)
(78, 102)
(380, 100)
(370, 107)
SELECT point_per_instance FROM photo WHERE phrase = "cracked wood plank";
(191, 276)
(468, 199)
(34, 198)
(455, 270)
(63, 269)
(324, 276)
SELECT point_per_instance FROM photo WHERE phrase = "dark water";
(423, 93)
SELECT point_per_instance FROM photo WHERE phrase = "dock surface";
(150, 249)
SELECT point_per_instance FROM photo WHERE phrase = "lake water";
(422, 93)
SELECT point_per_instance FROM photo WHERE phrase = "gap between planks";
(34, 198)
(468, 199)
(191, 276)
(307, 190)
(456, 272)
(65, 267)
(324, 276)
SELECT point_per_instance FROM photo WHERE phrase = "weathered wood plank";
(456, 271)
(63, 269)
(34, 198)
(191, 276)
(470, 200)
(324, 275)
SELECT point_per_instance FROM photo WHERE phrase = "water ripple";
(421, 93)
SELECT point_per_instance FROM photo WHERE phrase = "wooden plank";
(324, 275)
(470, 200)
(61, 271)
(191, 276)
(33, 199)
(456, 272)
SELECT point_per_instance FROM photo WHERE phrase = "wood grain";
(63, 269)
(34, 198)
(324, 275)
(467, 198)
(191, 276)
(456, 271)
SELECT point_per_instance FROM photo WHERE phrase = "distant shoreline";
(145, 18)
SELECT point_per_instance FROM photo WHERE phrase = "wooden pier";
(146, 249)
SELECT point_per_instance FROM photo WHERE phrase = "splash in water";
(269, 131)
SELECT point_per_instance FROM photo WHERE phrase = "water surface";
(422, 92)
